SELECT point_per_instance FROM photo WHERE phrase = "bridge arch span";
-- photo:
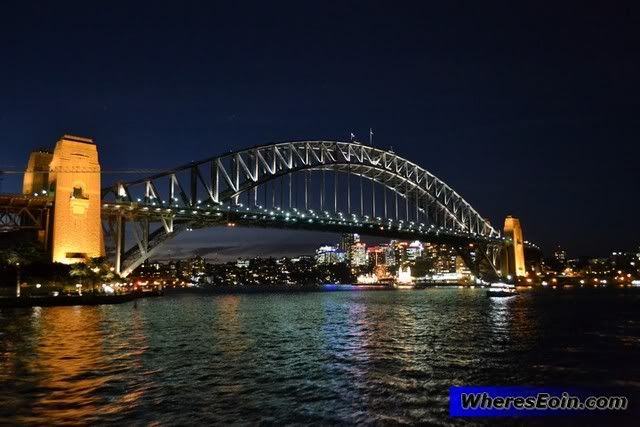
(317, 181)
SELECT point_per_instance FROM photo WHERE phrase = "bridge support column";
(373, 199)
(120, 228)
(480, 264)
(77, 229)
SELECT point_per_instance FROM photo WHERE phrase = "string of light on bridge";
(71, 170)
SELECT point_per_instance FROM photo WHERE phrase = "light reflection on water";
(333, 357)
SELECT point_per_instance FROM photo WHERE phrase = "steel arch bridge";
(313, 185)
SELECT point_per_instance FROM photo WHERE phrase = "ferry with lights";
(501, 289)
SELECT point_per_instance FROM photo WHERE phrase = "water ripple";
(317, 358)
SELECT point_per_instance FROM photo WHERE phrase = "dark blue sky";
(525, 108)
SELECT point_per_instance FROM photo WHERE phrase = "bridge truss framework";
(315, 185)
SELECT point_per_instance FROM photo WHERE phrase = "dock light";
(38, 285)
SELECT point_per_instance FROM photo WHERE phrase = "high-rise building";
(389, 256)
(462, 269)
(381, 255)
(358, 255)
(347, 240)
(326, 255)
(444, 259)
(400, 248)
(375, 254)
(414, 250)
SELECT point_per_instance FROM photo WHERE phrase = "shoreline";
(65, 300)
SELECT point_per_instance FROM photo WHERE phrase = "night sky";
(530, 110)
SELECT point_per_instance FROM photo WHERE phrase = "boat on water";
(501, 289)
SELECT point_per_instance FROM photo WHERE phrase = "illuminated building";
(375, 255)
(404, 275)
(414, 250)
(326, 255)
(560, 255)
(461, 267)
(358, 255)
(242, 263)
(348, 240)
(400, 249)
(367, 279)
(389, 256)
(382, 255)
(197, 265)
(443, 258)
(513, 252)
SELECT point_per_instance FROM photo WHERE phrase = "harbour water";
(372, 357)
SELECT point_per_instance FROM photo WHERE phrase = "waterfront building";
(375, 255)
(347, 240)
(328, 254)
(414, 250)
(404, 275)
(400, 248)
(442, 258)
(389, 255)
(358, 255)
(462, 269)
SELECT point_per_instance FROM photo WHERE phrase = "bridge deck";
(18, 201)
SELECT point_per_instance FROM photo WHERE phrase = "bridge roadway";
(480, 252)
(205, 216)
(19, 211)
(24, 212)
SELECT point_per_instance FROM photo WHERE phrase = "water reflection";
(500, 315)
(317, 358)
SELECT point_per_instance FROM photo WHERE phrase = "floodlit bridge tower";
(71, 174)
(513, 253)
